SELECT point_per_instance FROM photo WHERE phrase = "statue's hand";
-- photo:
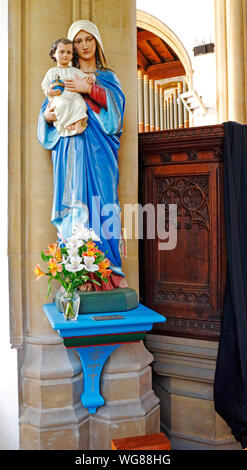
(49, 113)
(78, 84)
(51, 92)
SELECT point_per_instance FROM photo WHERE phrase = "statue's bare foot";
(87, 287)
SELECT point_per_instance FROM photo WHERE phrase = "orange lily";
(103, 265)
(38, 271)
(52, 248)
(90, 244)
(54, 267)
(107, 272)
(54, 251)
(89, 253)
(91, 249)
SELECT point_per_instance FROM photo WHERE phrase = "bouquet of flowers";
(70, 263)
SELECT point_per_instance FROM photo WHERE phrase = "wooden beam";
(145, 35)
(166, 70)
(155, 52)
(142, 60)
(163, 50)
(150, 52)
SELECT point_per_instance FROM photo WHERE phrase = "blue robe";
(85, 171)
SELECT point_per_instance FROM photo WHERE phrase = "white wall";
(193, 22)
(9, 430)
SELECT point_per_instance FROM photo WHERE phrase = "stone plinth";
(183, 378)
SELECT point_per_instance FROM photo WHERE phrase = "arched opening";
(164, 73)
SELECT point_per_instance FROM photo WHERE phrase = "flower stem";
(69, 310)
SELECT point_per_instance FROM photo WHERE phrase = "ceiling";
(155, 57)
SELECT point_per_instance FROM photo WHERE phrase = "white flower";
(64, 260)
(94, 236)
(74, 264)
(73, 252)
(89, 264)
(75, 259)
(73, 243)
(74, 269)
(82, 233)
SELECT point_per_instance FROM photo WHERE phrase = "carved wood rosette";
(190, 193)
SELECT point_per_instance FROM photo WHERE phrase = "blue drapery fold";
(85, 171)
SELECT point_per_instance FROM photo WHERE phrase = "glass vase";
(70, 305)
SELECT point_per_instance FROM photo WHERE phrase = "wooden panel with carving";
(186, 284)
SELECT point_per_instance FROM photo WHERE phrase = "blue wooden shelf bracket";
(96, 336)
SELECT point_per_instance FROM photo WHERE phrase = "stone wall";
(50, 377)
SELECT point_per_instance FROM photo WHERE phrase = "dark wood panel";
(185, 284)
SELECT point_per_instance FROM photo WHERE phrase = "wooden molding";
(166, 70)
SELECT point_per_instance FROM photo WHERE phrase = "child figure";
(69, 107)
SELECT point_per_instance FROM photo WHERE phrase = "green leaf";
(98, 274)
(49, 288)
(99, 258)
(96, 282)
(44, 257)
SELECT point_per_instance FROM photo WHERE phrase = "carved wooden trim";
(192, 155)
(194, 139)
(189, 294)
(166, 156)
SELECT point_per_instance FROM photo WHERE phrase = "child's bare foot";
(79, 126)
(71, 127)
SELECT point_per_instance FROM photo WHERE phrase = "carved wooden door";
(186, 284)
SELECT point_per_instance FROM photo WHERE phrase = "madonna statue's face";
(85, 45)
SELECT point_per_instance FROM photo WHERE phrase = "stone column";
(51, 414)
(221, 60)
(235, 59)
(231, 68)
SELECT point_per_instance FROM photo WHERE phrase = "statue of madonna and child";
(85, 143)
